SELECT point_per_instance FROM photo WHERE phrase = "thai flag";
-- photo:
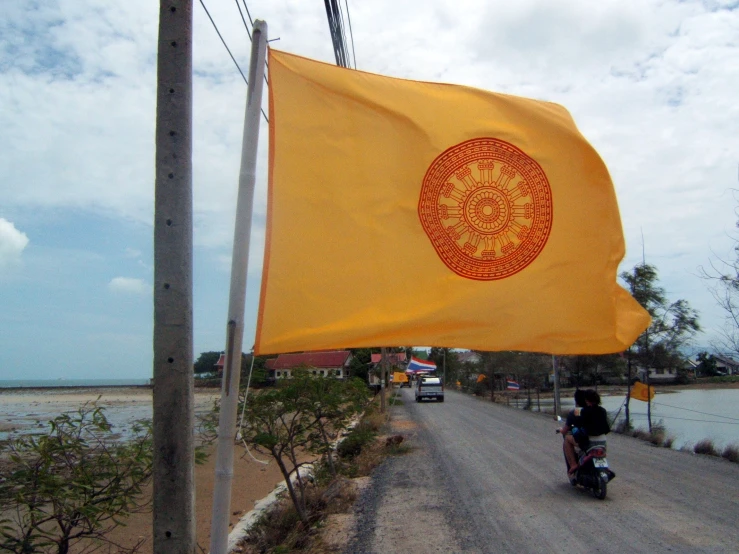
(512, 385)
(420, 365)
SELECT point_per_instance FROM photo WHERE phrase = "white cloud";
(12, 243)
(651, 83)
(129, 285)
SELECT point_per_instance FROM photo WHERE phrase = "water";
(55, 383)
(689, 415)
(27, 410)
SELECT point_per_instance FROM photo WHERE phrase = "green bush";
(352, 444)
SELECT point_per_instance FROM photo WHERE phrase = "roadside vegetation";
(348, 451)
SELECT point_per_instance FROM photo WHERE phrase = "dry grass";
(731, 453)
(659, 437)
(706, 447)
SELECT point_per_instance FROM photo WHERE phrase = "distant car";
(405, 384)
(430, 388)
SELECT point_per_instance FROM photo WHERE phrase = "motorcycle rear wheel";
(601, 488)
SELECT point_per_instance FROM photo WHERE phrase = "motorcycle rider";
(584, 424)
(595, 417)
(571, 428)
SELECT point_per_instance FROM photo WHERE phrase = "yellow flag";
(404, 212)
(640, 391)
(399, 377)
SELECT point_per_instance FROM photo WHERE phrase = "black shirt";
(594, 419)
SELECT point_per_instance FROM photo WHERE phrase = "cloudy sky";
(652, 83)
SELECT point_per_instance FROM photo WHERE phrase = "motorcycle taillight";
(598, 452)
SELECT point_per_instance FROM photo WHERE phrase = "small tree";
(259, 371)
(72, 484)
(673, 325)
(723, 278)
(706, 365)
(332, 404)
(280, 425)
(304, 413)
(360, 362)
(447, 363)
(206, 362)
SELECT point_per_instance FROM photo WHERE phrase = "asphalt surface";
(482, 477)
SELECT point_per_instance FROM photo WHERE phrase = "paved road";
(488, 478)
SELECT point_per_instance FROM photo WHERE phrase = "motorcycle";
(592, 471)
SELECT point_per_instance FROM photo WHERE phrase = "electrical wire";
(248, 33)
(685, 419)
(224, 42)
(345, 45)
(618, 413)
(248, 14)
(229, 52)
(695, 411)
(239, 434)
(333, 13)
(351, 33)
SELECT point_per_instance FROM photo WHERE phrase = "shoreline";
(73, 387)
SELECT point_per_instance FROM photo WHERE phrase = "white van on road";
(431, 388)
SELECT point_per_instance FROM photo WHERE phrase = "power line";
(343, 34)
(687, 419)
(224, 42)
(351, 33)
(333, 14)
(229, 52)
(695, 411)
(248, 14)
(248, 32)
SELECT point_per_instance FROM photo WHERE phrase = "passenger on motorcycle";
(571, 428)
(584, 425)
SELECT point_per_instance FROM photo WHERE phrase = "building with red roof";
(393, 358)
(220, 363)
(334, 363)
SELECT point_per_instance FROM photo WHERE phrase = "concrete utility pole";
(237, 295)
(174, 480)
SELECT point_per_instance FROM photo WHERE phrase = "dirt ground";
(252, 482)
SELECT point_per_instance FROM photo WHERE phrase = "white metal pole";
(237, 295)
(383, 361)
(555, 370)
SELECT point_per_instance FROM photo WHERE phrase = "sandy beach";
(26, 410)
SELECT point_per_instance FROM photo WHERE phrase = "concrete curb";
(240, 530)
(238, 533)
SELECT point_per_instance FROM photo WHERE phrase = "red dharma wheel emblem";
(487, 208)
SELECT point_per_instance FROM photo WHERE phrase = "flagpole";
(237, 295)
(555, 370)
(173, 513)
(383, 362)
(443, 369)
